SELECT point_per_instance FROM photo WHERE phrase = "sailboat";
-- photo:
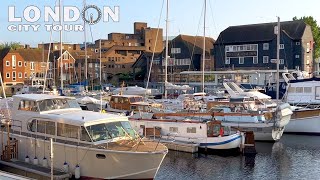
(207, 134)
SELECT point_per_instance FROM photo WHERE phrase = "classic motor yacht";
(102, 146)
(304, 96)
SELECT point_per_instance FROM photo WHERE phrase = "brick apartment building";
(121, 50)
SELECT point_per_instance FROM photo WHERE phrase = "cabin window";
(299, 89)
(68, 131)
(26, 105)
(317, 88)
(132, 100)
(107, 131)
(84, 135)
(121, 100)
(116, 100)
(46, 127)
(191, 130)
(292, 89)
(140, 108)
(32, 125)
(307, 89)
(173, 129)
(133, 107)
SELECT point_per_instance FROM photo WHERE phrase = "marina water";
(293, 157)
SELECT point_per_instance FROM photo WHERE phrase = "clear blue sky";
(184, 16)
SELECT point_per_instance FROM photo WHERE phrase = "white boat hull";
(116, 165)
(226, 142)
(200, 137)
(308, 125)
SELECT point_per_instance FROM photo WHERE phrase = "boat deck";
(36, 169)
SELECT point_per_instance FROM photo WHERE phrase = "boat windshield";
(110, 130)
(136, 99)
(53, 104)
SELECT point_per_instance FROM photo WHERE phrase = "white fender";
(65, 167)
(27, 159)
(77, 172)
(35, 161)
(45, 162)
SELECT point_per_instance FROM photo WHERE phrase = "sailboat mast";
(166, 56)
(278, 56)
(100, 76)
(61, 63)
(85, 51)
(204, 43)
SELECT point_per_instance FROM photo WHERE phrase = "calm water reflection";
(294, 157)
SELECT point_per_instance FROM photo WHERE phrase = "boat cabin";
(61, 117)
(129, 103)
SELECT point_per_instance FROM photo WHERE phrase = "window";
(265, 59)
(26, 105)
(13, 76)
(84, 135)
(65, 56)
(7, 75)
(7, 63)
(227, 61)
(307, 89)
(56, 47)
(68, 131)
(191, 130)
(281, 46)
(175, 50)
(292, 89)
(265, 46)
(20, 63)
(31, 65)
(241, 60)
(255, 60)
(299, 90)
(297, 43)
(297, 56)
(20, 75)
(173, 129)
(14, 61)
(25, 75)
(25, 64)
(281, 61)
(46, 127)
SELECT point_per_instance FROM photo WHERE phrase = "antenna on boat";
(100, 76)
(61, 63)
(166, 55)
(85, 50)
(204, 44)
(278, 56)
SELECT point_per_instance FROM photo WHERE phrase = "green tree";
(10, 45)
(315, 31)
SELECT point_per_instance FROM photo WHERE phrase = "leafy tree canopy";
(10, 45)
